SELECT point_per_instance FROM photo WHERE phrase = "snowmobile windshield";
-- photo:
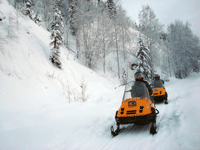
(157, 84)
(135, 89)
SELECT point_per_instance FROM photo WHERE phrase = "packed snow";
(41, 106)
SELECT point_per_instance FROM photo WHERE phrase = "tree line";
(102, 28)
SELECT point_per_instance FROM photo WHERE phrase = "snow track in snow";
(169, 121)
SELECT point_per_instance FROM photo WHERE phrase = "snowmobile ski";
(153, 129)
(116, 132)
(166, 102)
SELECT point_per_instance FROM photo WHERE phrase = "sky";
(167, 11)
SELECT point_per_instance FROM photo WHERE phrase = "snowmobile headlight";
(131, 103)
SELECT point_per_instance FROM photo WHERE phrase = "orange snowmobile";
(136, 108)
(159, 92)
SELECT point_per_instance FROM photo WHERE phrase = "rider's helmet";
(139, 76)
(157, 77)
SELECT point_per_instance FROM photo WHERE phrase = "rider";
(157, 77)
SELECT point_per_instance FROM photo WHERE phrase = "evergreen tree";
(27, 9)
(143, 59)
(37, 19)
(56, 34)
(112, 9)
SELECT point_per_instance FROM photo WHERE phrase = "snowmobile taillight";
(132, 103)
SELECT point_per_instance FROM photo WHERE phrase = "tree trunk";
(55, 42)
(104, 56)
(123, 44)
(104, 48)
(117, 50)
(77, 46)
(15, 4)
(169, 62)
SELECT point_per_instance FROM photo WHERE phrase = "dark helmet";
(139, 76)
(157, 77)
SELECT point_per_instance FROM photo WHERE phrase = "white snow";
(35, 113)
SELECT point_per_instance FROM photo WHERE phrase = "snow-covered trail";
(39, 124)
(174, 129)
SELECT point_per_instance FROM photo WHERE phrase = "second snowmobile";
(159, 91)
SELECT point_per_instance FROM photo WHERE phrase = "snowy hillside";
(41, 106)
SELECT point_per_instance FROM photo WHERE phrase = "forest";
(107, 39)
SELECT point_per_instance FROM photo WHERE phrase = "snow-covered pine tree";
(37, 19)
(27, 9)
(112, 9)
(143, 59)
(56, 34)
